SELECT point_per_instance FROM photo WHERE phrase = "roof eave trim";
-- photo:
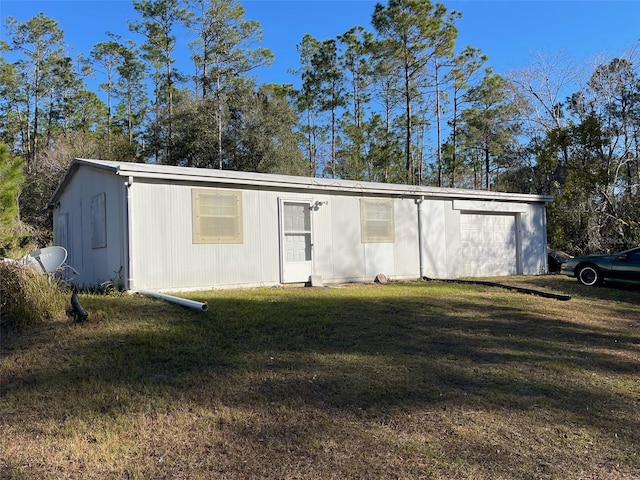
(308, 183)
(71, 170)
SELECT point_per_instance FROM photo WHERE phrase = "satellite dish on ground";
(46, 260)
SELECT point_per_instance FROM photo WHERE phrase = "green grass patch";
(406, 380)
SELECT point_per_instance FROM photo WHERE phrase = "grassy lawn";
(407, 380)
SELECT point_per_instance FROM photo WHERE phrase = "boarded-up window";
(98, 221)
(376, 221)
(217, 216)
(61, 235)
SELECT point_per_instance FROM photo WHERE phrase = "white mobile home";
(164, 228)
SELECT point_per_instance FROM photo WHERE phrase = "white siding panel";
(170, 260)
(489, 245)
(434, 243)
(533, 239)
(379, 258)
(347, 249)
(406, 253)
(94, 265)
(322, 228)
(154, 227)
(265, 236)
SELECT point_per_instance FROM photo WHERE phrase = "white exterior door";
(489, 245)
(296, 241)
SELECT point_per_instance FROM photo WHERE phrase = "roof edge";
(71, 170)
(192, 174)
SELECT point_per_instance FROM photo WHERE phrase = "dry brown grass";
(412, 380)
(27, 296)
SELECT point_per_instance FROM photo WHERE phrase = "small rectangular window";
(217, 216)
(377, 221)
(98, 221)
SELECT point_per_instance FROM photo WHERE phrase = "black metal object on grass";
(555, 296)
(78, 312)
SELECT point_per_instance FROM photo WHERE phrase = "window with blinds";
(217, 216)
(377, 221)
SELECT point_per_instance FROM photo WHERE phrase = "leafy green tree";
(107, 57)
(11, 112)
(466, 67)
(355, 61)
(381, 127)
(384, 145)
(330, 92)
(588, 162)
(159, 20)
(307, 101)
(260, 136)
(574, 223)
(40, 42)
(11, 179)
(616, 93)
(71, 107)
(131, 111)
(442, 73)
(412, 33)
(223, 52)
(322, 97)
(196, 134)
(490, 126)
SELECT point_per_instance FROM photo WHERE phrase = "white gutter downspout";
(129, 278)
(420, 253)
(178, 300)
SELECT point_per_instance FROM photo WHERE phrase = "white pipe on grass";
(180, 301)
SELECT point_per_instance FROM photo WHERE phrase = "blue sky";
(508, 31)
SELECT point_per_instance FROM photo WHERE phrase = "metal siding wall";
(94, 265)
(406, 249)
(434, 241)
(71, 203)
(152, 224)
(347, 250)
(534, 240)
(322, 231)
(379, 258)
(266, 234)
(452, 240)
(167, 258)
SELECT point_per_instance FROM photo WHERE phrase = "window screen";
(217, 216)
(376, 218)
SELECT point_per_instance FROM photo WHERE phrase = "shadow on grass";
(384, 352)
(619, 292)
(354, 352)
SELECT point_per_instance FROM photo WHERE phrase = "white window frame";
(200, 216)
(377, 215)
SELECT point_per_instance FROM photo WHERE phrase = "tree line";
(396, 102)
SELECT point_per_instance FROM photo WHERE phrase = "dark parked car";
(555, 259)
(592, 270)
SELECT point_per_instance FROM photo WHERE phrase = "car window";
(634, 256)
